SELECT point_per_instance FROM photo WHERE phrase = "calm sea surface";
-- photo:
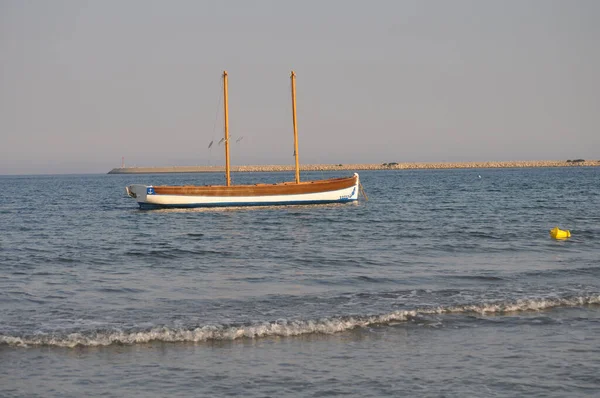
(445, 283)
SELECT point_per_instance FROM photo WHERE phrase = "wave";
(285, 328)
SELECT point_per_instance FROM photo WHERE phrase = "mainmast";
(293, 78)
(226, 113)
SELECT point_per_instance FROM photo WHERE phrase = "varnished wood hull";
(337, 190)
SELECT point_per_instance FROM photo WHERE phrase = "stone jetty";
(359, 166)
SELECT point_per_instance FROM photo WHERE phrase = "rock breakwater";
(358, 166)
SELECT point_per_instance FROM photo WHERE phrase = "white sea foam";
(284, 328)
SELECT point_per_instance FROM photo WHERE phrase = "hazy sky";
(83, 83)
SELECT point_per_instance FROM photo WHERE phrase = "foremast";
(226, 128)
(293, 78)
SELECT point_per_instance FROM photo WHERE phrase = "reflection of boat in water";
(335, 190)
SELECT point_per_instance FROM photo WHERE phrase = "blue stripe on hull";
(152, 206)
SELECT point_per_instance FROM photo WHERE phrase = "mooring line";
(362, 190)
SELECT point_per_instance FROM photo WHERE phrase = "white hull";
(148, 199)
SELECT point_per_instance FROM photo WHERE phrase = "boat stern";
(139, 192)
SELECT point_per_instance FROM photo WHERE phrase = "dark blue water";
(445, 283)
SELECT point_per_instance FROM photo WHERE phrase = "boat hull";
(340, 190)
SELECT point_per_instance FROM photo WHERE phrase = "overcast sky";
(83, 83)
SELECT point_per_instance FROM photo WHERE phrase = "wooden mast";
(226, 113)
(293, 77)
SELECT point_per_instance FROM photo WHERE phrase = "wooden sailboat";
(335, 190)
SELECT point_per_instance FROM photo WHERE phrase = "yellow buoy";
(559, 233)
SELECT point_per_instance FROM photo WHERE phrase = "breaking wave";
(284, 328)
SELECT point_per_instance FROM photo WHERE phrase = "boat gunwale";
(282, 188)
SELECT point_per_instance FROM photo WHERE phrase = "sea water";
(443, 283)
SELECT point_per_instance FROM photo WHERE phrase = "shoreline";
(358, 166)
